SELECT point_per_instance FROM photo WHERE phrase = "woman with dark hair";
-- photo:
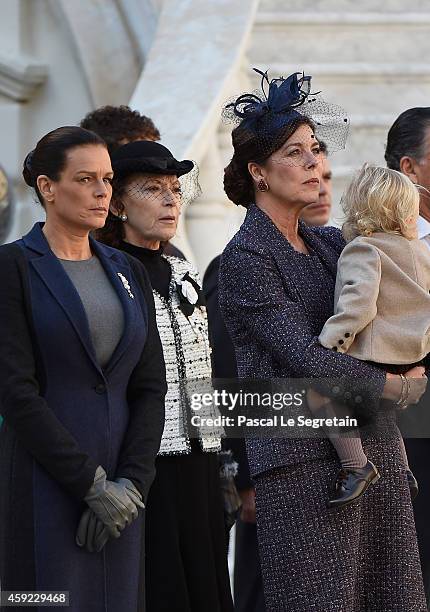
(277, 279)
(186, 546)
(82, 385)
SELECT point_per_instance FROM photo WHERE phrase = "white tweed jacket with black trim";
(186, 350)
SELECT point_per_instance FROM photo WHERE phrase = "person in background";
(82, 387)
(118, 125)
(318, 213)
(186, 544)
(247, 583)
(408, 150)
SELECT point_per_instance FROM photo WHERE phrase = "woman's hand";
(418, 384)
(115, 503)
(315, 400)
(247, 514)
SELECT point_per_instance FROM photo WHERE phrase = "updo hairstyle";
(49, 156)
(251, 147)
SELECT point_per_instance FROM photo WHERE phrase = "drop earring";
(262, 185)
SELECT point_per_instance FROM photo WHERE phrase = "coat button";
(100, 388)
(347, 335)
(341, 341)
(334, 348)
(347, 395)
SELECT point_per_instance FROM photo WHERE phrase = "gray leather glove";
(91, 534)
(114, 503)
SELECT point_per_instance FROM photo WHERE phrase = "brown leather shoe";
(351, 483)
(413, 484)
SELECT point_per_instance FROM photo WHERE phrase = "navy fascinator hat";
(149, 157)
(281, 103)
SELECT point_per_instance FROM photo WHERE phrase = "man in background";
(408, 151)
(319, 212)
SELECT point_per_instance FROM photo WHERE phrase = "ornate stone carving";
(102, 38)
(20, 76)
(191, 69)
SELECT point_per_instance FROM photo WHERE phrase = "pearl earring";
(123, 217)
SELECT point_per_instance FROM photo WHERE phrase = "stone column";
(188, 74)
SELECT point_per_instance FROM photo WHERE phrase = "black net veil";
(167, 189)
(270, 115)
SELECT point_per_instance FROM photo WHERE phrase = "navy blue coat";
(64, 416)
(274, 302)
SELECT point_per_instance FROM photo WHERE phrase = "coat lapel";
(60, 286)
(326, 254)
(282, 251)
(63, 290)
(276, 243)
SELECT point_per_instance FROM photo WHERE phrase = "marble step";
(340, 6)
(331, 36)
(281, 19)
(366, 142)
(362, 87)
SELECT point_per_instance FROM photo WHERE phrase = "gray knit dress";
(360, 558)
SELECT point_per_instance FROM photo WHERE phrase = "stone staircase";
(372, 62)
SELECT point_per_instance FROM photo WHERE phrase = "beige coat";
(382, 300)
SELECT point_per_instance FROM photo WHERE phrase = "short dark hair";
(406, 136)
(49, 156)
(117, 123)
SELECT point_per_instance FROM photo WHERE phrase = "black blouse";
(158, 267)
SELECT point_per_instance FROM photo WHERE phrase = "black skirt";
(186, 542)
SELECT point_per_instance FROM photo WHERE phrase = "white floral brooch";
(126, 284)
(190, 295)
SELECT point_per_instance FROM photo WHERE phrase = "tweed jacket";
(187, 356)
(382, 300)
(275, 302)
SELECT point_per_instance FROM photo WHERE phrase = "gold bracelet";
(404, 394)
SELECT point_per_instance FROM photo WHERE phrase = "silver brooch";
(126, 284)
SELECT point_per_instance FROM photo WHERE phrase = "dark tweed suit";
(362, 557)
